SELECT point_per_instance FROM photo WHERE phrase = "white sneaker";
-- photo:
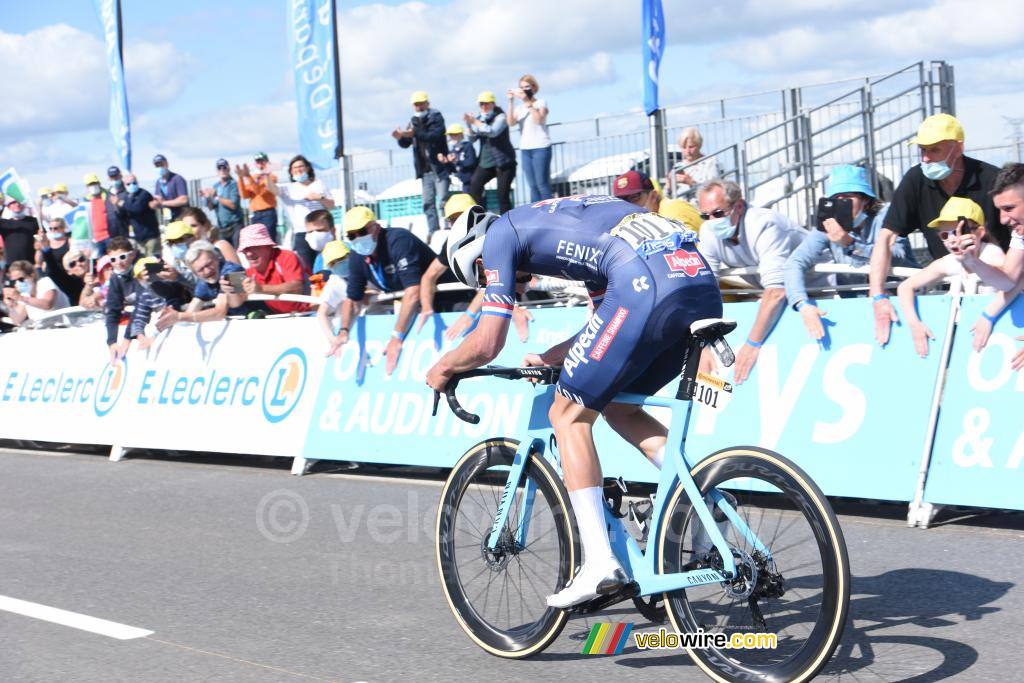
(593, 579)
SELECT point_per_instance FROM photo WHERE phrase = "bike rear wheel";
(801, 593)
(498, 596)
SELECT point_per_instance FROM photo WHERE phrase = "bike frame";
(640, 565)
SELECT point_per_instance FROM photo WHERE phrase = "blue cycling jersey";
(644, 272)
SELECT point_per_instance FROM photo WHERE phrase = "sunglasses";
(17, 279)
(80, 261)
(361, 232)
(717, 213)
(121, 257)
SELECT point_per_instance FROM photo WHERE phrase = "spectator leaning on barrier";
(122, 290)
(259, 186)
(171, 192)
(497, 156)
(215, 296)
(142, 218)
(271, 270)
(18, 231)
(695, 168)
(834, 243)
(202, 230)
(147, 302)
(461, 160)
(304, 194)
(736, 235)
(425, 134)
(335, 257)
(28, 296)
(392, 259)
(225, 200)
(972, 256)
(944, 172)
(534, 141)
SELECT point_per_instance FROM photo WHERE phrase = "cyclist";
(648, 283)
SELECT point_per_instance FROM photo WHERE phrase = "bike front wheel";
(799, 590)
(498, 596)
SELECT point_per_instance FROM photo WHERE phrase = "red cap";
(630, 183)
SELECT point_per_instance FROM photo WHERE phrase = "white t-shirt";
(333, 292)
(44, 285)
(990, 254)
(532, 135)
(293, 196)
(1016, 240)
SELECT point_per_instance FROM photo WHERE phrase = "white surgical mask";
(364, 245)
(318, 239)
(722, 228)
(94, 190)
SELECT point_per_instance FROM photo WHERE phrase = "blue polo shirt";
(172, 187)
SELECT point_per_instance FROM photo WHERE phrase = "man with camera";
(426, 135)
(944, 172)
(735, 235)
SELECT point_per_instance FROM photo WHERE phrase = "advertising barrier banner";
(978, 456)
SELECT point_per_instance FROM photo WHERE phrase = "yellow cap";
(455, 129)
(956, 207)
(458, 203)
(682, 211)
(175, 230)
(60, 187)
(334, 251)
(44, 191)
(419, 96)
(140, 265)
(485, 96)
(357, 217)
(90, 179)
(936, 129)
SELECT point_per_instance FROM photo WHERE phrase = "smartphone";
(840, 209)
(964, 227)
(154, 269)
(235, 278)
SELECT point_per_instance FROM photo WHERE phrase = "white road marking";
(111, 629)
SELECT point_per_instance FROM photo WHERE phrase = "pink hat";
(254, 235)
(102, 262)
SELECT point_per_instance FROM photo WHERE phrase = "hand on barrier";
(463, 324)
(745, 360)
(885, 316)
(521, 318)
(118, 350)
(424, 316)
(392, 353)
(144, 341)
(982, 330)
(339, 341)
(921, 335)
(168, 317)
(812, 316)
(1018, 360)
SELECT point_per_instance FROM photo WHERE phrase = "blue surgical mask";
(859, 219)
(722, 228)
(163, 171)
(301, 178)
(364, 245)
(340, 268)
(24, 287)
(55, 235)
(937, 170)
(118, 183)
(133, 187)
(47, 201)
(179, 251)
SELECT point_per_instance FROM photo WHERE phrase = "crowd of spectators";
(152, 261)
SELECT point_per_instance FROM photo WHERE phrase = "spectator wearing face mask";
(30, 297)
(116, 191)
(142, 219)
(61, 202)
(736, 235)
(425, 134)
(461, 160)
(320, 231)
(104, 215)
(335, 257)
(303, 194)
(944, 172)
(179, 235)
(53, 245)
(225, 200)
(18, 230)
(497, 156)
(203, 230)
(171, 192)
(393, 260)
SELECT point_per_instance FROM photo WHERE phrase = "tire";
(498, 598)
(809, 561)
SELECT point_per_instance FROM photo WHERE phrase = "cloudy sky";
(207, 80)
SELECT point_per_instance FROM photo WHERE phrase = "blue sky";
(211, 79)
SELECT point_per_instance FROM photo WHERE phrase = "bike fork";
(508, 495)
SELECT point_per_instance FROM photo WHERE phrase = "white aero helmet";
(466, 243)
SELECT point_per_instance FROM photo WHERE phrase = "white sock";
(588, 504)
(659, 457)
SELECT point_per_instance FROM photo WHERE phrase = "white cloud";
(56, 80)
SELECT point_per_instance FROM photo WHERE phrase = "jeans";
(230, 233)
(267, 217)
(505, 176)
(537, 167)
(434, 185)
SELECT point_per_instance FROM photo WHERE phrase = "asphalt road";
(244, 573)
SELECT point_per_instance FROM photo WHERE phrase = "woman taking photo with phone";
(850, 197)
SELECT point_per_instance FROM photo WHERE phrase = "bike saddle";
(710, 329)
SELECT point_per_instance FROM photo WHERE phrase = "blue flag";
(654, 47)
(311, 36)
(120, 129)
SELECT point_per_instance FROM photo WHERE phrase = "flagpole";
(339, 152)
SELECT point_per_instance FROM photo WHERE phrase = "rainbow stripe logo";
(607, 639)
